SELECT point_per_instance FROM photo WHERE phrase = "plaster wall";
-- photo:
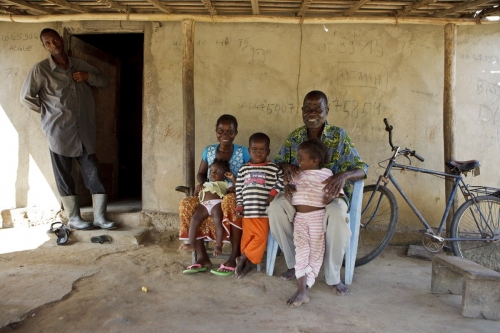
(260, 73)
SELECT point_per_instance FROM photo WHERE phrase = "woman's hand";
(198, 189)
(229, 175)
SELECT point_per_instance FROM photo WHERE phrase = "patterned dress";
(188, 205)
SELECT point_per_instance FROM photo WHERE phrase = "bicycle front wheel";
(478, 220)
(379, 217)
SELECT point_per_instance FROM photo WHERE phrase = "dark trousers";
(62, 166)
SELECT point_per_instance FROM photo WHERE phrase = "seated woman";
(226, 130)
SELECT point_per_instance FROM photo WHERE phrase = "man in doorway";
(59, 89)
(346, 166)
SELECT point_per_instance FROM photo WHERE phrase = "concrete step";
(123, 220)
(123, 236)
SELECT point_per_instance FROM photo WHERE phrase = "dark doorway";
(129, 49)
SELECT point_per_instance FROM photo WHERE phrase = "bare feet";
(243, 266)
(298, 299)
(289, 274)
(217, 250)
(340, 289)
(187, 247)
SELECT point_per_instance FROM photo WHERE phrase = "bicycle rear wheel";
(478, 220)
(379, 218)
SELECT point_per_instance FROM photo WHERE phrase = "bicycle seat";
(457, 167)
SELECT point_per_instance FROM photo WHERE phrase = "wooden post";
(188, 100)
(450, 47)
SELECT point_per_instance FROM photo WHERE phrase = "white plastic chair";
(352, 248)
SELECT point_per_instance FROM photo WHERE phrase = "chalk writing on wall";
(489, 93)
(362, 74)
(354, 108)
(277, 108)
(479, 57)
(16, 40)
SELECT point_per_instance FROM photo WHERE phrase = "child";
(308, 233)
(258, 182)
(210, 204)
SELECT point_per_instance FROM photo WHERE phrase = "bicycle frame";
(457, 182)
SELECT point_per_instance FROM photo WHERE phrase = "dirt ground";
(85, 287)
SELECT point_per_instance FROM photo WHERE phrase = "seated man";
(345, 164)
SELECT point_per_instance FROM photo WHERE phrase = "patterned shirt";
(343, 155)
(309, 187)
(254, 184)
(240, 157)
(67, 107)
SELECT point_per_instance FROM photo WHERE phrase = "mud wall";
(260, 73)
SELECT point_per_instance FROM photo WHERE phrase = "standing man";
(345, 164)
(59, 89)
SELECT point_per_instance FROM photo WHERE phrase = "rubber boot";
(72, 208)
(99, 202)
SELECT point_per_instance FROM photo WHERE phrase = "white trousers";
(337, 233)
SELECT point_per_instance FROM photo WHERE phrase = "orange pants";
(254, 238)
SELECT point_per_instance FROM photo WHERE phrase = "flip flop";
(101, 239)
(222, 266)
(195, 268)
(61, 232)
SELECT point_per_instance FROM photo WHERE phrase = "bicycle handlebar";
(388, 128)
(406, 151)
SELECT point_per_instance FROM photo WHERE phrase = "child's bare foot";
(217, 250)
(187, 247)
(246, 268)
(340, 289)
(289, 274)
(298, 299)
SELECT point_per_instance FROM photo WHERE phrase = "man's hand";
(333, 186)
(289, 171)
(80, 76)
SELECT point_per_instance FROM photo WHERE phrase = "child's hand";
(231, 189)
(289, 189)
(238, 213)
(229, 175)
(270, 199)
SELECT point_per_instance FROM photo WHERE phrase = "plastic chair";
(352, 248)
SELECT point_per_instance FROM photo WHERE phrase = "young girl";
(308, 232)
(210, 196)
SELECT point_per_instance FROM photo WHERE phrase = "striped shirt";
(254, 184)
(309, 187)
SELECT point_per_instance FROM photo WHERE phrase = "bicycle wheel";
(379, 218)
(478, 220)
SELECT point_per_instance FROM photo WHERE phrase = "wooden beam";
(188, 100)
(414, 6)
(114, 5)
(303, 7)
(356, 6)
(160, 6)
(450, 52)
(210, 7)
(464, 5)
(255, 7)
(65, 4)
(159, 17)
(28, 5)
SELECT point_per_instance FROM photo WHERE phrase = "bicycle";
(475, 228)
